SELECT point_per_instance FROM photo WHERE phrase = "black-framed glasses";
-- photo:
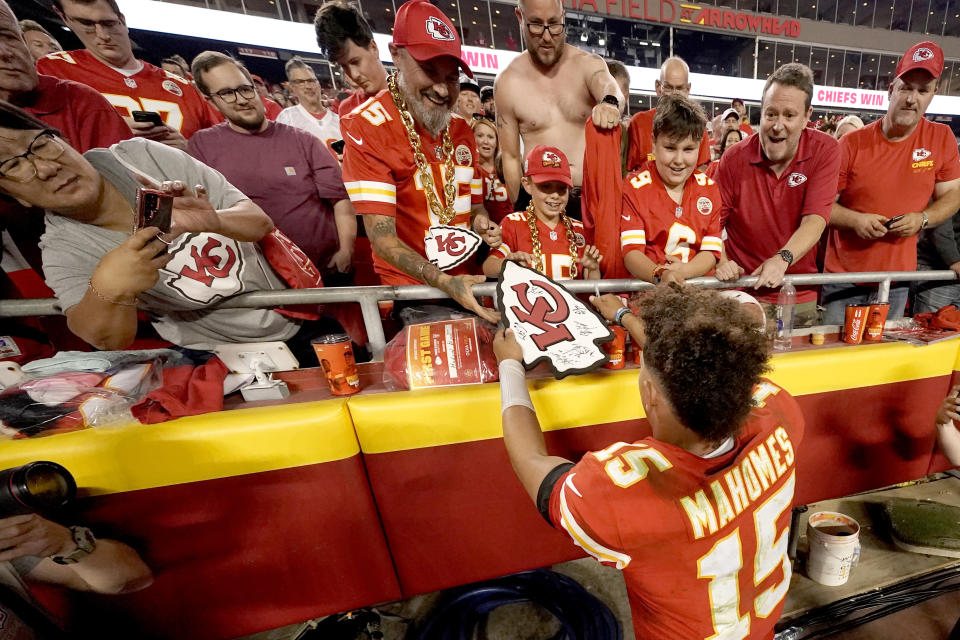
(248, 91)
(21, 168)
(537, 28)
(90, 26)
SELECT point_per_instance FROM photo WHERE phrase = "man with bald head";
(674, 80)
(546, 95)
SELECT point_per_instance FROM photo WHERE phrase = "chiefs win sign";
(681, 13)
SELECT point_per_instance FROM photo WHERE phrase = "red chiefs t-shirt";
(495, 198)
(151, 89)
(355, 99)
(761, 211)
(381, 177)
(649, 220)
(554, 245)
(82, 115)
(888, 178)
(640, 132)
(702, 543)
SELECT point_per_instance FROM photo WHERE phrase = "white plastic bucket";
(834, 547)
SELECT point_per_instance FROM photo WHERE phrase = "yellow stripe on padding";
(217, 445)
(433, 417)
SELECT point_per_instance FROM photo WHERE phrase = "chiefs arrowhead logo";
(438, 29)
(922, 54)
(920, 154)
(550, 324)
(448, 246)
(796, 179)
(550, 159)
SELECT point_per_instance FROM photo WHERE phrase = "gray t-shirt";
(205, 268)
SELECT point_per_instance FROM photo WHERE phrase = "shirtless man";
(546, 95)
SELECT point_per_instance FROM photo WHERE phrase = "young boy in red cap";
(543, 237)
(670, 221)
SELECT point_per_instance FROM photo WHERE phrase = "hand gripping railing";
(368, 297)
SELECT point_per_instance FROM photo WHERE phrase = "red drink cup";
(856, 322)
(335, 355)
(876, 318)
(616, 349)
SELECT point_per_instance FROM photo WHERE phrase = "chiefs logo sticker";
(550, 159)
(205, 267)
(920, 154)
(172, 87)
(796, 179)
(705, 205)
(438, 29)
(550, 324)
(579, 240)
(463, 155)
(448, 246)
(922, 54)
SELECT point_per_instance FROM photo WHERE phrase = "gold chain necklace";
(445, 214)
(538, 261)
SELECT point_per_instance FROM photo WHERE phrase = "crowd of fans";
(774, 191)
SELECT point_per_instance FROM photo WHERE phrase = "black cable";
(581, 615)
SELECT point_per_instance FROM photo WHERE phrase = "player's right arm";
(947, 429)
(508, 133)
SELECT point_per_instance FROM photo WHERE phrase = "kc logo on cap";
(550, 159)
(922, 54)
(438, 30)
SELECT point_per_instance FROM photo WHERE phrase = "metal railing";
(368, 297)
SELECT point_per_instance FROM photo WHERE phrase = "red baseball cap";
(546, 163)
(427, 33)
(924, 55)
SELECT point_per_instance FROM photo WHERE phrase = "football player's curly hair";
(707, 355)
(338, 21)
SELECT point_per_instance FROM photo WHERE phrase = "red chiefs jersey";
(640, 133)
(495, 198)
(649, 219)
(888, 178)
(151, 89)
(381, 176)
(702, 542)
(515, 236)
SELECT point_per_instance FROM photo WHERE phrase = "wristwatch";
(926, 220)
(85, 542)
(786, 255)
(611, 99)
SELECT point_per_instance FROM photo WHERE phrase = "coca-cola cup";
(856, 323)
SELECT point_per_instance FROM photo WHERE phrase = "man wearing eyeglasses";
(294, 179)
(311, 114)
(107, 64)
(674, 80)
(546, 95)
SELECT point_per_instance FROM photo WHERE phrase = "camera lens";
(35, 487)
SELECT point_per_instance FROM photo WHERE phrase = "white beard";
(434, 120)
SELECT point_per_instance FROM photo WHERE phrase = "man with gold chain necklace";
(410, 164)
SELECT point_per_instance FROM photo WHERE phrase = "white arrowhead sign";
(448, 246)
(550, 323)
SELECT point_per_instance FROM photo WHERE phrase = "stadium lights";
(602, 42)
(583, 37)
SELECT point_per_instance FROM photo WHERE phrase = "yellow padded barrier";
(415, 419)
(216, 445)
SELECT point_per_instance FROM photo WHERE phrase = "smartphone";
(337, 146)
(892, 220)
(154, 209)
(148, 116)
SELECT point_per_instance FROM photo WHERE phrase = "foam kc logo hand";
(448, 246)
(549, 323)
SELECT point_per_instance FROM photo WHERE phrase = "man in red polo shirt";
(674, 79)
(778, 188)
(410, 164)
(898, 175)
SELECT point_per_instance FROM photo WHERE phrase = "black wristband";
(611, 99)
